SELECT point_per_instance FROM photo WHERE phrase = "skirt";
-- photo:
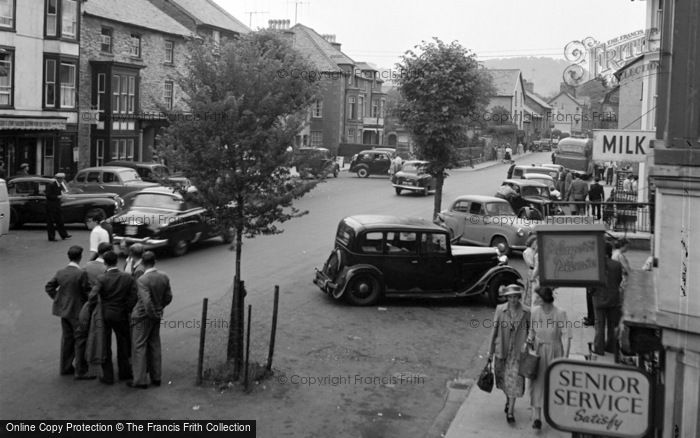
(507, 378)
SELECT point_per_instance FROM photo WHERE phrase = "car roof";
(36, 178)
(129, 164)
(480, 198)
(375, 151)
(537, 176)
(416, 162)
(524, 182)
(370, 222)
(313, 149)
(159, 190)
(100, 168)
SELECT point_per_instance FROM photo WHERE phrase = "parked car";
(370, 162)
(518, 170)
(485, 221)
(546, 180)
(4, 208)
(153, 172)
(532, 199)
(28, 202)
(160, 217)
(377, 256)
(390, 151)
(414, 178)
(109, 179)
(315, 162)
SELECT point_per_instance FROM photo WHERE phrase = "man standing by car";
(153, 295)
(596, 196)
(54, 215)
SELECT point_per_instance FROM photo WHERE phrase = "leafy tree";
(233, 145)
(499, 116)
(443, 89)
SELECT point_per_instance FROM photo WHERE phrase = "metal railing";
(625, 216)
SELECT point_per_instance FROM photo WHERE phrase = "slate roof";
(538, 100)
(209, 13)
(137, 12)
(504, 81)
(578, 102)
(317, 50)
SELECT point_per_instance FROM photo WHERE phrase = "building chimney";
(529, 86)
(278, 24)
(329, 37)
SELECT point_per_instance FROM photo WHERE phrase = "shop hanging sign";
(571, 255)
(621, 145)
(597, 398)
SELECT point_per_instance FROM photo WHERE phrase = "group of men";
(574, 188)
(100, 299)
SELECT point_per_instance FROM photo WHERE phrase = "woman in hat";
(548, 330)
(510, 328)
(23, 169)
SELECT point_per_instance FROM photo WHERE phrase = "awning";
(33, 123)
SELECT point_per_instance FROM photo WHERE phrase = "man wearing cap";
(54, 215)
(23, 169)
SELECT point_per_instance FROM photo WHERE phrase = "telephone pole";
(296, 8)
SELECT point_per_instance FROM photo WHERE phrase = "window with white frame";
(168, 94)
(101, 84)
(316, 139)
(116, 108)
(69, 18)
(49, 143)
(131, 95)
(7, 13)
(99, 152)
(317, 109)
(50, 83)
(351, 135)
(60, 82)
(169, 51)
(6, 75)
(360, 107)
(135, 45)
(67, 76)
(51, 17)
(351, 108)
(106, 40)
(123, 94)
(382, 103)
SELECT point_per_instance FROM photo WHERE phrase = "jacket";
(506, 330)
(154, 294)
(596, 193)
(92, 322)
(609, 295)
(69, 290)
(118, 293)
(579, 190)
(94, 269)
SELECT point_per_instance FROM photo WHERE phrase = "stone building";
(203, 17)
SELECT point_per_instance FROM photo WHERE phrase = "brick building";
(130, 57)
(39, 50)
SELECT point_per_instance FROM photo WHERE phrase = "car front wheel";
(363, 172)
(398, 190)
(363, 290)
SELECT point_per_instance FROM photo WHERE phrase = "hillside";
(546, 73)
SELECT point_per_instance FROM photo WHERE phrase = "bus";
(576, 155)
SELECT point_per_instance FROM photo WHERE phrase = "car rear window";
(108, 177)
(371, 242)
(401, 243)
(129, 176)
(345, 234)
(155, 200)
(93, 177)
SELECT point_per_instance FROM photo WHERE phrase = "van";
(4, 208)
(576, 155)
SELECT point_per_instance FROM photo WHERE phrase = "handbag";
(528, 364)
(485, 382)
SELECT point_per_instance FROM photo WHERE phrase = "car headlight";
(521, 232)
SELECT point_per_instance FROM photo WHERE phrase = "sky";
(380, 31)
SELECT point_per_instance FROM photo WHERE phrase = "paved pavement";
(481, 414)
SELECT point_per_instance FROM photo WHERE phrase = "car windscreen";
(413, 167)
(129, 176)
(535, 191)
(159, 201)
(499, 209)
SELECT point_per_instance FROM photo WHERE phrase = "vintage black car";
(109, 179)
(413, 177)
(28, 202)
(315, 163)
(377, 256)
(159, 217)
(371, 162)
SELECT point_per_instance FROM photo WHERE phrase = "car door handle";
(414, 261)
(448, 262)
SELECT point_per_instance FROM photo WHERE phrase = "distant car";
(532, 200)
(315, 162)
(4, 208)
(370, 162)
(377, 256)
(518, 170)
(160, 217)
(28, 202)
(413, 178)
(485, 221)
(109, 179)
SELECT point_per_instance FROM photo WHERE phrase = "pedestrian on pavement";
(620, 248)
(530, 259)
(609, 171)
(596, 194)
(511, 323)
(607, 302)
(627, 184)
(23, 169)
(153, 295)
(117, 291)
(3, 171)
(508, 155)
(54, 214)
(589, 319)
(95, 268)
(69, 291)
(134, 264)
(578, 193)
(549, 329)
(97, 233)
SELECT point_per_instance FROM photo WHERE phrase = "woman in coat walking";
(548, 330)
(510, 329)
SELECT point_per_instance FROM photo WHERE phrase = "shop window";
(6, 78)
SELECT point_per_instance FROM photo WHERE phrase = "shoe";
(84, 377)
(52, 240)
(155, 382)
(129, 377)
(106, 382)
(510, 418)
(506, 408)
(69, 372)
(131, 384)
(588, 322)
(537, 424)
(67, 236)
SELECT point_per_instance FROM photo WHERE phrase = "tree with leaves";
(443, 88)
(245, 111)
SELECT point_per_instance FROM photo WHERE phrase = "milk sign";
(614, 145)
(596, 398)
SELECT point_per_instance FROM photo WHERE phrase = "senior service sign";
(601, 399)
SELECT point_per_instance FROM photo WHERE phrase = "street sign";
(571, 255)
(597, 398)
(617, 145)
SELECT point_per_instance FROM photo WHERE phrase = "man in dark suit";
(69, 290)
(596, 196)
(95, 268)
(153, 295)
(607, 302)
(118, 293)
(54, 215)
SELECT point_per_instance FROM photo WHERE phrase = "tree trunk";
(236, 322)
(437, 206)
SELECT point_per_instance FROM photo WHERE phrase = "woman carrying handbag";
(548, 328)
(510, 329)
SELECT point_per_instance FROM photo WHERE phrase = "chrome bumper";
(405, 187)
(147, 242)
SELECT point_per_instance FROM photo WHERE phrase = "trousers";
(146, 353)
